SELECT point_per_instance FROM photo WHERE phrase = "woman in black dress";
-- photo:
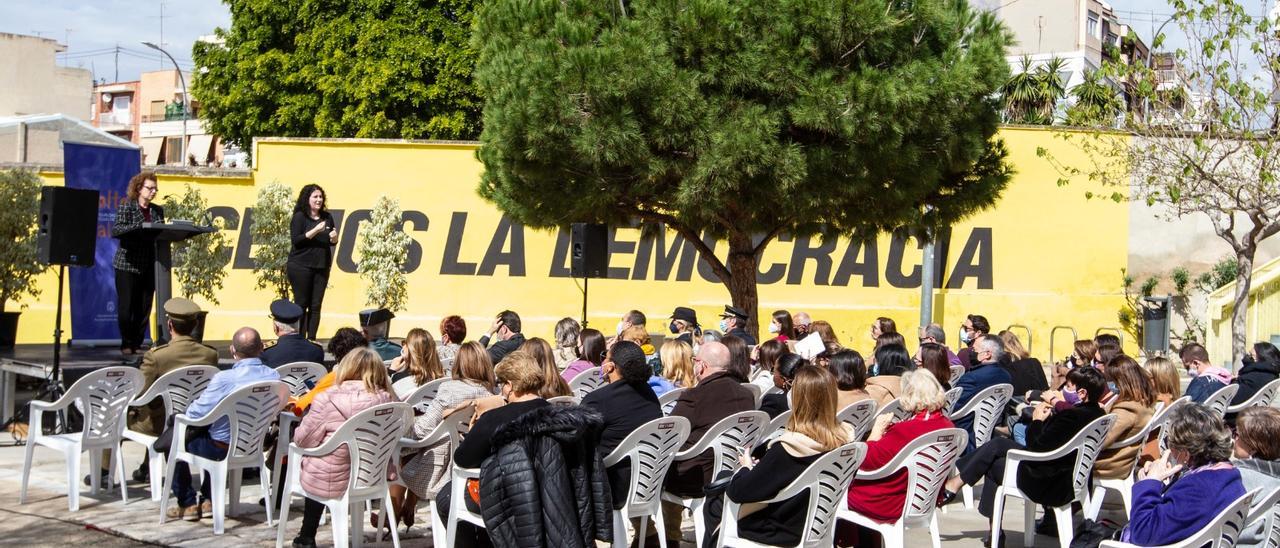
(135, 259)
(313, 234)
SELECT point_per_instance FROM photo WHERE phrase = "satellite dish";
(106, 97)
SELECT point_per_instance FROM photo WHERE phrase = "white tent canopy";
(38, 138)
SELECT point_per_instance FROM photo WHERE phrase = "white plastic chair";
(1219, 533)
(1122, 485)
(928, 461)
(103, 397)
(668, 400)
(987, 408)
(775, 428)
(296, 375)
(1160, 419)
(952, 396)
(563, 400)
(894, 407)
(649, 450)
(1264, 517)
(827, 481)
(957, 371)
(421, 397)
(1086, 444)
(756, 392)
(1218, 401)
(586, 382)
(250, 410)
(370, 438)
(724, 439)
(176, 390)
(457, 507)
(451, 428)
(1261, 398)
(861, 415)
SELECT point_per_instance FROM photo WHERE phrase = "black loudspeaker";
(68, 225)
(589, 250)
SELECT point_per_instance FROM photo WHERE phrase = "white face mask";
(773, 328)
(621, 325)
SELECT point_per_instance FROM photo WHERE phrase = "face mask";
(1113, 388)
(672, 326)
(724, 325)
(1071, 398)
(973, 359)
(964, 337)
(773, 328)
(1191, 372)
(1247, 360)
(621, 326)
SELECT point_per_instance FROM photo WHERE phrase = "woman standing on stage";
(135, 260)
(313, 233)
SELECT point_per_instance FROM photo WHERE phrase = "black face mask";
(673, 328)
(973, 358)
(1247, 360)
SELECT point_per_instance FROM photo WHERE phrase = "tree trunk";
(743, 264)
(1240, 305)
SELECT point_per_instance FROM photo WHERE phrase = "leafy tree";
(1032, 95)
(1216, 155)
(270, 236)
(199, 263)
(19, 205)
(741, 119)
(384, 247)
(363, 68)
(1097, 103)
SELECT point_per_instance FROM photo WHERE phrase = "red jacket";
(882, 500)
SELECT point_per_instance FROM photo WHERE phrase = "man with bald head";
(246, 348)
(717, 395)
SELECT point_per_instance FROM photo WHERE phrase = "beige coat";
(884, 388)
(1131, 418)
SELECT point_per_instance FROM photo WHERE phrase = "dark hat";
(284, 311)
(733, 312)
(181, 308)
(375, 316)
(685, 314)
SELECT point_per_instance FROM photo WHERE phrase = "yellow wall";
(1055, 257)
(1262, 316)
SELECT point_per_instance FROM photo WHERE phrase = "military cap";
(375, 316)
(181, 308)
(284, 311)
(733, 312)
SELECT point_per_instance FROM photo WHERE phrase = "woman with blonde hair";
(827, 333)
(417, 364)
(360, 382)
(553, 384)
(425, 471)
(677, 364)
(567, 331)
(1026, 371)
(883, 499)
(812, 431)
(1165, 380)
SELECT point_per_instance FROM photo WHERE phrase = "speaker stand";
(585, 279)
(52, 388)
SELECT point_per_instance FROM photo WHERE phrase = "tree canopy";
(364, 68)
(741, 119)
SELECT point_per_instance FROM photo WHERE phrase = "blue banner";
(93, 290)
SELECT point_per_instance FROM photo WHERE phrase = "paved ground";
(104, 521)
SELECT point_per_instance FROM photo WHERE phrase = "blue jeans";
(203, 446)
(1019, 433)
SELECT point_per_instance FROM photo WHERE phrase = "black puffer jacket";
(1252, 377)
(545, 484)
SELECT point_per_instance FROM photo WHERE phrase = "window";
(173, 151)
(157, 109)
(1092, 26)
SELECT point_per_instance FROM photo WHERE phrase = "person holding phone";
(312, 233)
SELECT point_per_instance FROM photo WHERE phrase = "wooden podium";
(164, 234)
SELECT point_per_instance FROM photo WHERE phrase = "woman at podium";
(135, 259)
(313, 234)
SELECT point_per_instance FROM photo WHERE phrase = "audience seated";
(374, 323)
(361, 382)
(892, 361)
(453, 330)
(851, 377)
(290, 346)
(343, 342)
(1208, 378)
(826, 333)
(934, 333)
(1025, 372)
(1081, 355)
(626, 403)
(1133, 410)
(766, 358)
(426, 471)
(932, 357)
(811, 432)
(553, 385)
(883, 499)
(567, 332)
(677, 368)
(988, 351)
(246, 347)
(717, 395)
(1257, 457)
(1165, 381)
(782, 327)
(506, 327)
(638, 335)
(739, 357)
(1203, 480)
(1048, 483)
(974, 327)
(417, 364)
(783, 375)
(1261, 366)
(591, 348)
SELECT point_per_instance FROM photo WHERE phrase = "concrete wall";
(1044, 26)
(31, 82)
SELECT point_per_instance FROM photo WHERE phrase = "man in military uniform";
(375, 323)
(290, 346)
(181, 351)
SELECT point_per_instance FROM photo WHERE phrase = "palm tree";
(1097, 102)
(1031, 96)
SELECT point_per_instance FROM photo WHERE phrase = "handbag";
(1090, 533)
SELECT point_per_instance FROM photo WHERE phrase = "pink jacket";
(327, 476)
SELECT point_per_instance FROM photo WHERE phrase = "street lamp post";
(185, 99)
